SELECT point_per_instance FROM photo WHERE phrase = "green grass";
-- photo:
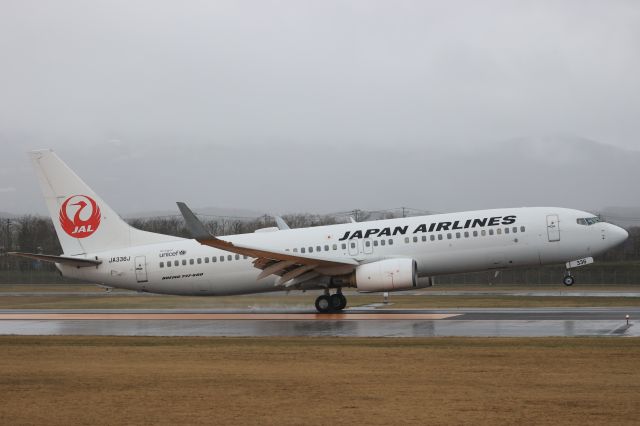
(302, 301)
(94, 297)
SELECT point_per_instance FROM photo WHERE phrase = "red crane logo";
(83, 223)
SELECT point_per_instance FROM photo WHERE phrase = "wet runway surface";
(361, 322)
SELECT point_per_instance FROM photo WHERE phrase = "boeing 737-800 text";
(377, 256)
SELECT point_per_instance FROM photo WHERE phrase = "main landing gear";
(568, 279)
(331, 302)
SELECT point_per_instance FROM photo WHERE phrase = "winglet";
(196, 228)
(282, 225)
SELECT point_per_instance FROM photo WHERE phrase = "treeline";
(36, 234)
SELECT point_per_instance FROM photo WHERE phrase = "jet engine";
(386, 275)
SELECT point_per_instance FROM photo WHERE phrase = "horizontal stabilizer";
(73, 261)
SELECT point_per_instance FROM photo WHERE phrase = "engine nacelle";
(387, 275)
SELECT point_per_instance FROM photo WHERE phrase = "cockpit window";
(588, 221)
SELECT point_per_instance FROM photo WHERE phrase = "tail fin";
(84, 223)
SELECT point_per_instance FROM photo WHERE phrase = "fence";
(608, 273)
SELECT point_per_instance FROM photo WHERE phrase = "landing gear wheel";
(323, 304)
(338, 302)
(568, 280)
(343, 302)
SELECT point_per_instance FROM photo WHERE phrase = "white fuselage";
(440, 244)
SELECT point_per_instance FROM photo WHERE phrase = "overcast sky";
(281, 106)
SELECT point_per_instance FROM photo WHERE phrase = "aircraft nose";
(617, 235)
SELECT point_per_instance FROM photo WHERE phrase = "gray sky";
(319, 106)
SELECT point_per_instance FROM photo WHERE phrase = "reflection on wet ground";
(352, 323)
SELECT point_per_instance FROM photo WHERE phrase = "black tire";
(343, 302)
(323, 304)
(338, 302)
(568, 280)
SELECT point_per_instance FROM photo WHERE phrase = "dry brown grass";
(120, 380)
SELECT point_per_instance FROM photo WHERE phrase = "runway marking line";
(223, 316)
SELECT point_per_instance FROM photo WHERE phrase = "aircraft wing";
(293, 268)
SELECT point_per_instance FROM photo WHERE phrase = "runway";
(361, 322)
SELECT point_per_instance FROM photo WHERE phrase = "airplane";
(375, 256)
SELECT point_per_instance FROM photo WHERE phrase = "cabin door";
(553, 227)
(141, 269)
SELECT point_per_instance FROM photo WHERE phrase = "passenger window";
(522, 229)
(206, 260)
(375, 243)
(221, 258)
(344, 246)
(506, 230)
(439, 237)
(245, 257)
(406, 240)
(295, 250)
(367, 243)
(415, 239)
(229, 257)
(475, 233)
(318, 248)
(483, 233)
(176, 263)
(310, 249)
(302, 250)
(382, 242)
(424, 238)
(515, 229)
(390, 241)
(214, 259)
(466, 234)
(432, 238)
(499, 231)
(169, 264)
(184, 261)
(457, 235)
(326, 248)
(199, 261)
(449, 236)
(335, 247)
(490, 231)
(237, 257)
(191, 261)
(353, 245)
(162, 264)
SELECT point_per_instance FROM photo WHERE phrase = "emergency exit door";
(354, 247)
(141, 269)
(553, 227)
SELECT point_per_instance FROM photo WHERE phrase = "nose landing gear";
(568, 279)
(331, 302)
